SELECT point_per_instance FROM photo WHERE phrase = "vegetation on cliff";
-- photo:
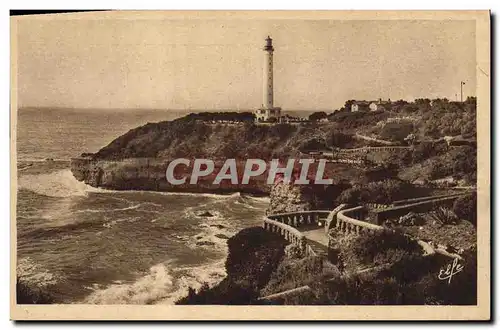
(380, 192)
(378, 268)
(383, 268)
(187, 137)
(254, 253)
(411, 281)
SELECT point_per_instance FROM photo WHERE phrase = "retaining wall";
(380, 216)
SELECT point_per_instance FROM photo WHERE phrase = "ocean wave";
(213, 235)
(41, 160)
(63, 228)
(60, 183)
(161, 285)
(195, 277)
(167, 193)
(31, 273)
(128, 208)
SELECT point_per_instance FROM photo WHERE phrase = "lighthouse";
(268, 74)
(267, 110)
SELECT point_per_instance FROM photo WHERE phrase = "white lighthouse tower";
(268, 111)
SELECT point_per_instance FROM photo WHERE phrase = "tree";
(318, 116)
(338, 139)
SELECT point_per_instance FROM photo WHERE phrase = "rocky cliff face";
(287, 198)
(138, 160)
(150, 174)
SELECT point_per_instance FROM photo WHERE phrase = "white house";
(369, 105)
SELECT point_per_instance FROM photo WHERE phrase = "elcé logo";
(296, 171)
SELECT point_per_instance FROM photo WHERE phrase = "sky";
(215, 64)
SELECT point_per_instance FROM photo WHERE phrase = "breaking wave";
(32, 273)
(161, 285)
(55, 184)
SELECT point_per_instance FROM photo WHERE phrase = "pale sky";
(217, 64)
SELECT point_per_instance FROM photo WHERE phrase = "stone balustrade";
(299, 219)
(331, 220)
(347, 221)
(289, 233)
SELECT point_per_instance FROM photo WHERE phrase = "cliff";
(287, 198)
(253, 256)
(150, 174)
(138, 159)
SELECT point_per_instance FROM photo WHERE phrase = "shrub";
(314, 144)
(317, 115)
(226, 293)
(253, 255)
(412, 280)
(444, 216)
(338, 139)
(466, 208)
(396, 131)
(370, 245)
(350, 120)
(293, 273)
(410, 219)
(425, 150)
(357, 290)
(382, 192)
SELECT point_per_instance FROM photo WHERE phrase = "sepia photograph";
(223, 165)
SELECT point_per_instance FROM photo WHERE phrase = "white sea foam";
(146, 289)
(195, 277)
(55, 184)
(161, 285)
(32, 273)
(133, 207)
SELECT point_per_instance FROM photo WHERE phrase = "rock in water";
(205, 214)
(218, 226)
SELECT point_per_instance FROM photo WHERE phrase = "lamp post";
(462, 83)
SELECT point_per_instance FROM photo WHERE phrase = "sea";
(87, 245)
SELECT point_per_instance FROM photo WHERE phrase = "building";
(268, 111)
(370, 105)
